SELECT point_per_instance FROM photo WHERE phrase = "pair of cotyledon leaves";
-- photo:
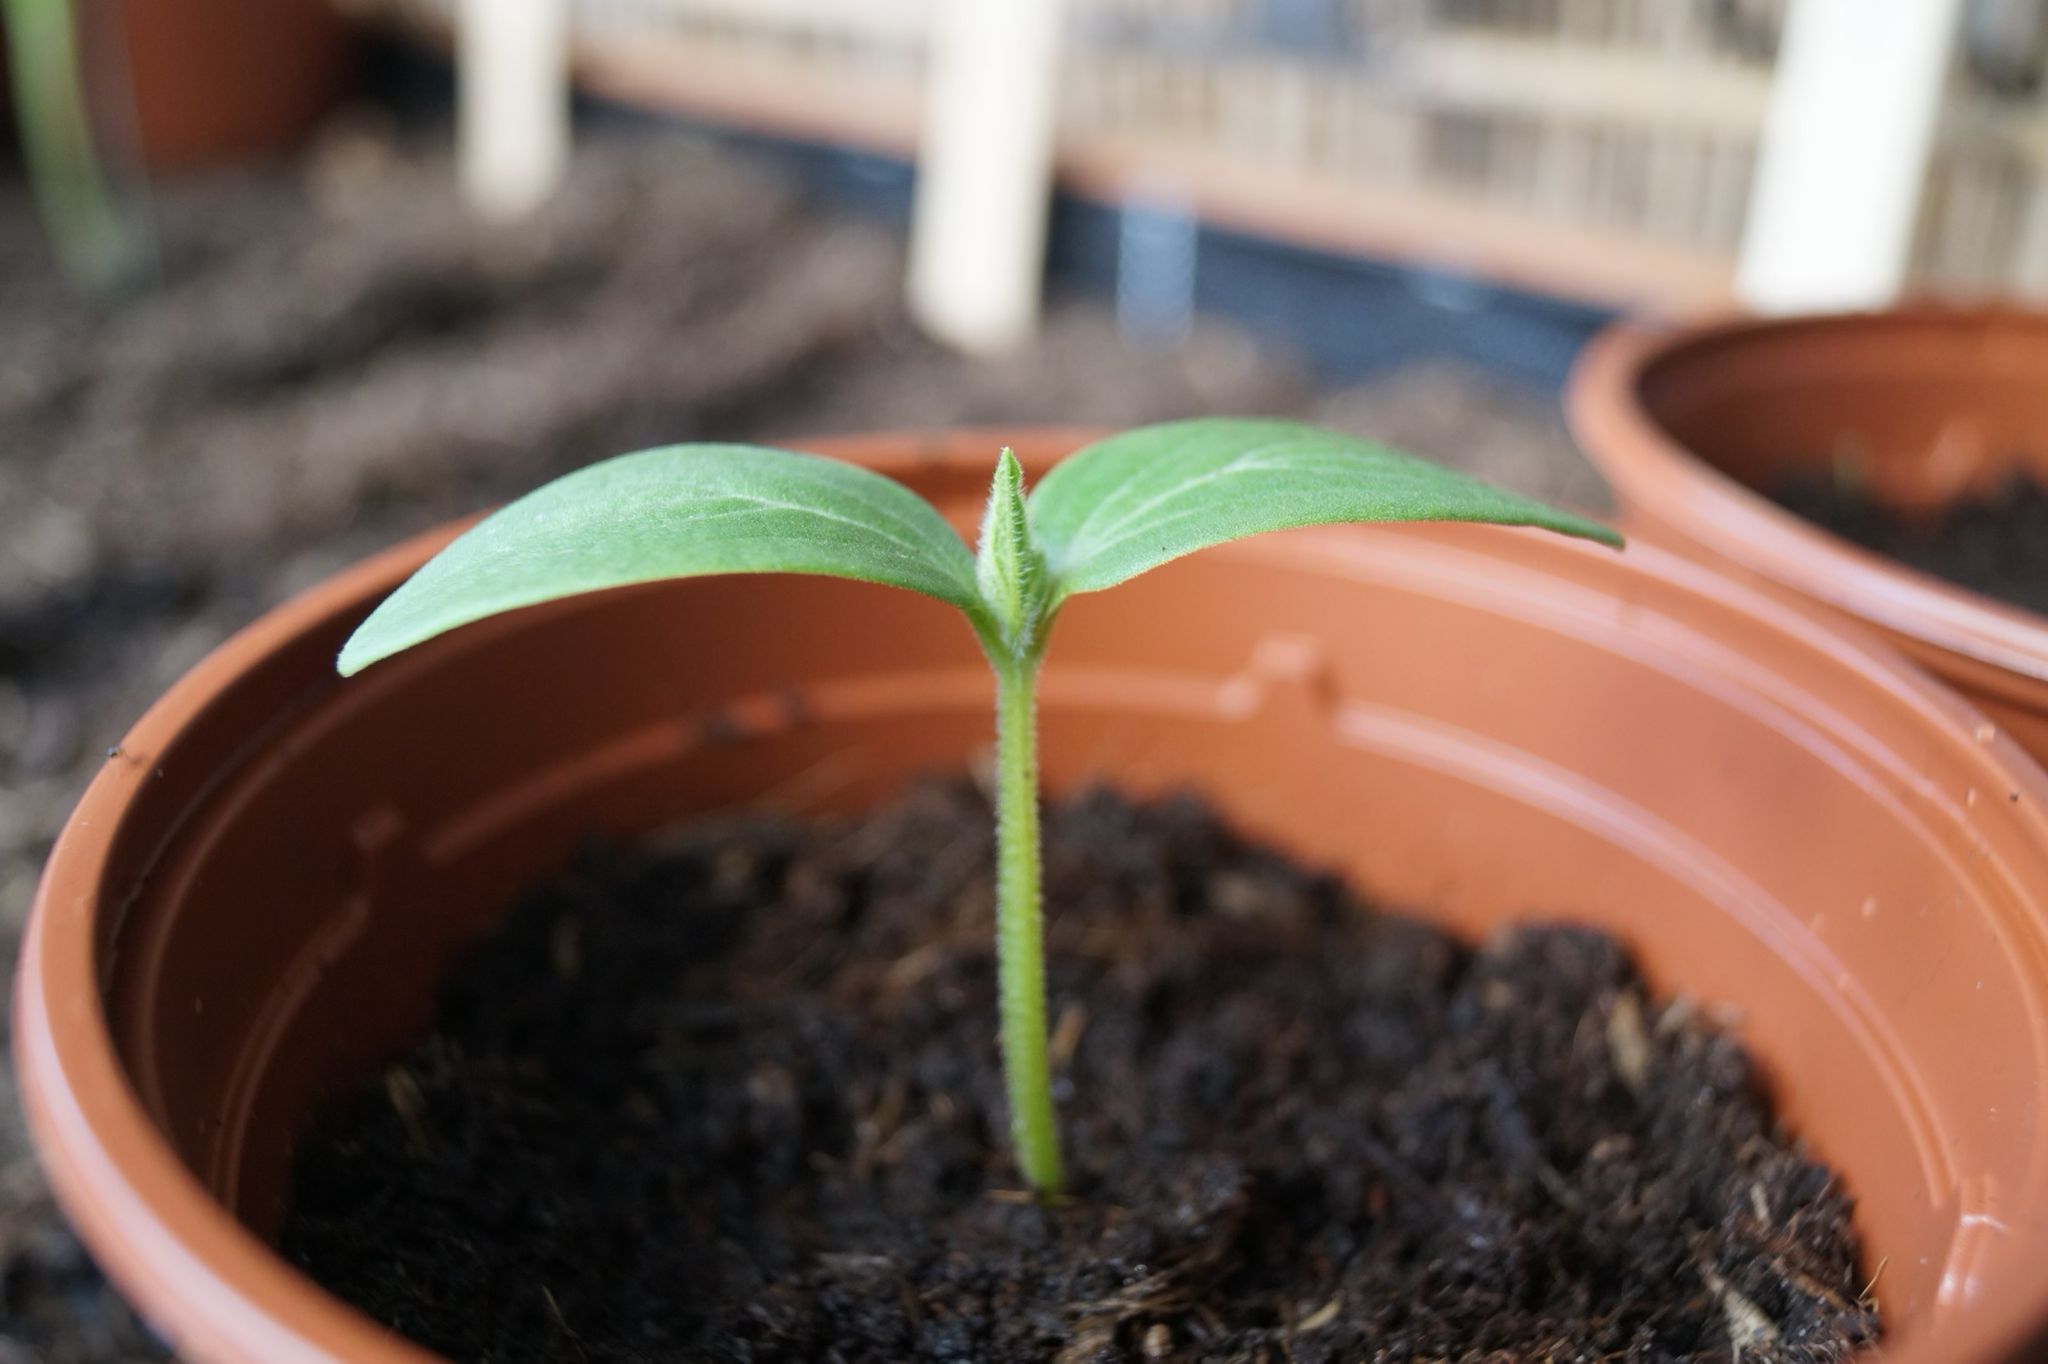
(1107, 513)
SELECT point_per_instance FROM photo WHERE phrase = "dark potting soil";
(737, 1098)
(1996, 544)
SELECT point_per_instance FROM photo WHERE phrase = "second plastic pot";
(210, 81)
(253, 904)
(1692, 426)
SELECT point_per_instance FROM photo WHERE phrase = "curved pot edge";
(1665, 486)
(67, 1134)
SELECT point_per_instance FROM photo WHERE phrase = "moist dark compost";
(736, 1098)
(1996, 543)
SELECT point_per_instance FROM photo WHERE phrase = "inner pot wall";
(260, 893)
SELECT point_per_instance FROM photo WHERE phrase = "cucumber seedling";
(1103, 515)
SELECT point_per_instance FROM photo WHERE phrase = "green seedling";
(94, 242)
(1106, 514)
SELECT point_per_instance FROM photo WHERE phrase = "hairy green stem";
(1020, 933)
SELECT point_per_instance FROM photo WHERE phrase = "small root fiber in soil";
(1995, 543)
(736, 1097)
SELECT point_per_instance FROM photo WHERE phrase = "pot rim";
(222, 1293)
(146, 1217)
(1652, 470)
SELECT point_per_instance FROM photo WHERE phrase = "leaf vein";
(1086, 542)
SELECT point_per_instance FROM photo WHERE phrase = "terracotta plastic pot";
(1936, 402)
(213, 80)
(253, 902)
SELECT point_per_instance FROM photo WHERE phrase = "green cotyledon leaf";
(1137, 500)
(676, 512)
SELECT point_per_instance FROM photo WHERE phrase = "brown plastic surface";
(1932, 401)
(252, 903)
(213, 80)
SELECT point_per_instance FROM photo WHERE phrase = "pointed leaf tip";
(1008, 568)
